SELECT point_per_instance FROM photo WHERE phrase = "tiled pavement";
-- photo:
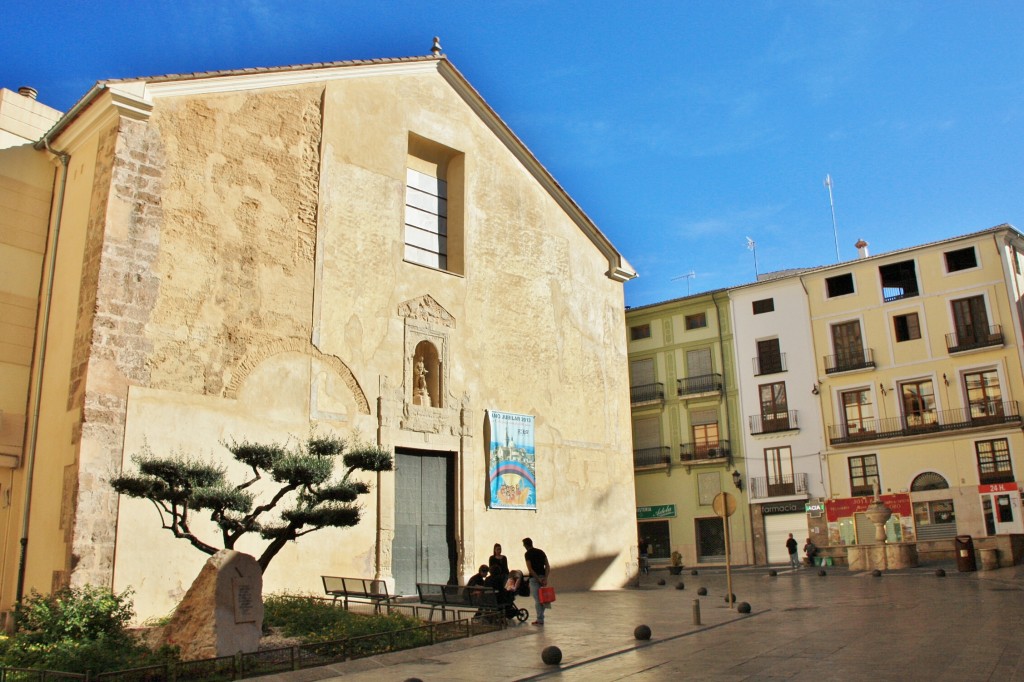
(904, 625)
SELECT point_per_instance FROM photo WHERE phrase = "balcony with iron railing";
(652, 457)
(762, 487)
(785, 421)
(848, 361)
(702, 452)
(771, 363)
(934, 421)
(646, 393)
(961, 341)
(705, 383)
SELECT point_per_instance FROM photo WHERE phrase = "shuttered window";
(647, 433)
(641, 372)
(698, 362)
(426, 220)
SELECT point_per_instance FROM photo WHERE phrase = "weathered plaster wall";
(279, 289)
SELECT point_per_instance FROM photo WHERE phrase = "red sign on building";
(997, 488)
(848, 506)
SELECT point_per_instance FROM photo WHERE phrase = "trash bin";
(964, 547)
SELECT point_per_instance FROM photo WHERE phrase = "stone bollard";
(696, 611)
(551, 655)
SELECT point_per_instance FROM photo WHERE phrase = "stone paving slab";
(904, 625)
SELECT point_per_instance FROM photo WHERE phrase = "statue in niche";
(421, 396)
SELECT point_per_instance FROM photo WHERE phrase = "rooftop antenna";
(835, 232)
(688, 276)
(752, 246)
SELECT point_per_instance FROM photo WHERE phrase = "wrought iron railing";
(705, 383)
(785, 421)
(649, 457)
(692, 452)
(983, 337)
(771, 363)
(762, 487)
(862, 358)
(645, 393)
(935, 421)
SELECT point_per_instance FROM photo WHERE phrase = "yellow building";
(360, 247)
(919, 356)
(685, 422)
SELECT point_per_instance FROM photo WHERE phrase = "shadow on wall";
(581, 575)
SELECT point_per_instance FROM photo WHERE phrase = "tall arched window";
(427, 382)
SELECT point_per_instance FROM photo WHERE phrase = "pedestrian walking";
(791, 546)
(539, 570)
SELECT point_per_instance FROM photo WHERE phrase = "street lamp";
(737, 480)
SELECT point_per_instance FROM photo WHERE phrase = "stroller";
(516, 584)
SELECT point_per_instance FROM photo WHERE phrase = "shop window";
(765, 305)
(907, 327)
(656, 534)
(640, 331)
(696, 321)
(840, 285)
(994, 464)
(899, 280)
(863, 475)
(961, 259)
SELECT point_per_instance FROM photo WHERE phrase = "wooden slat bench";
(483, 599)
(363, 589)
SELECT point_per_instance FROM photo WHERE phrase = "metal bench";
(363, 589)
(455, 597)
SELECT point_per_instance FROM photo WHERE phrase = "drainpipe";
(725, 383)
(46, 290)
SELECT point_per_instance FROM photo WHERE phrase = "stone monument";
(222, 613)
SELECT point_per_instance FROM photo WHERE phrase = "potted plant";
(677, 564)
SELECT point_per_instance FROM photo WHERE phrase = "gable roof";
(135, 96)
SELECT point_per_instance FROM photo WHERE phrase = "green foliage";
(308, 497)
(318, 620)
(75, 630)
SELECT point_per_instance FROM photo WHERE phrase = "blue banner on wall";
(511, 473)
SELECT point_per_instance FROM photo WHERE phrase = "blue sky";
(681, 128)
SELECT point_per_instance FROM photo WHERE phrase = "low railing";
(936, 421)
(705, 383)
(980, 338)
(271, 661)
(849, 361)
(692, 452)
(645, 393)
(769, 364)
(762, 487)
(781, 422)
(649, 457)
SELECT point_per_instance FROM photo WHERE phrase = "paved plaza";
(904, 625)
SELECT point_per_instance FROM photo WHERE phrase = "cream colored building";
(919, 358)
(687, 429)
(250, 254)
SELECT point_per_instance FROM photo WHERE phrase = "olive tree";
(306, 493)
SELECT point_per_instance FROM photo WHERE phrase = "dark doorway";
(423, 550)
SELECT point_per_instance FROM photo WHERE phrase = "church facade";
(358, 248)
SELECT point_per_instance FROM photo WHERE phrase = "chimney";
(27, 91)
(862, 249)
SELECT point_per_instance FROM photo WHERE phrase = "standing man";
(791, 545)
(539, 570)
